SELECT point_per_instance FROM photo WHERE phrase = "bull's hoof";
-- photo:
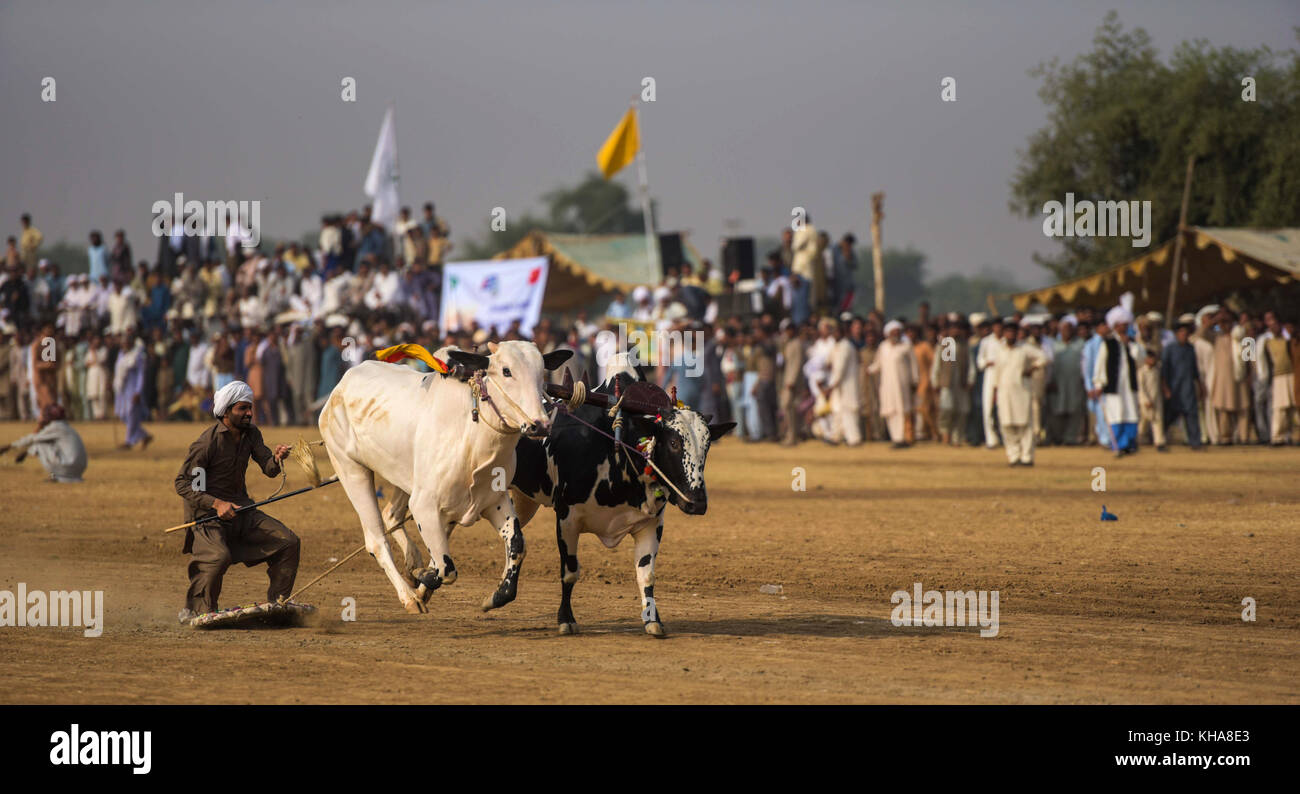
(429, 581)
(656, 629)
(497, 600)
(416, 607)
(568, 628)
(450, 578)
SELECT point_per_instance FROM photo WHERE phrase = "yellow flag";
(621, 146)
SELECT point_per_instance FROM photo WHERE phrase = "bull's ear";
(555, 358)
(470, 361)
(718, 431)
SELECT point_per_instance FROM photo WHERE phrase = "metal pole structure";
(877, 263)
(1178, 246)
(650, 240)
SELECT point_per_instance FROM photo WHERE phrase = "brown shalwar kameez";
(251, 537)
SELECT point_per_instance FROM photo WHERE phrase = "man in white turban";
(1115, 374)
(234, 392)
(211, 481)
(846, 402)
(1014, 394)
(895, 363)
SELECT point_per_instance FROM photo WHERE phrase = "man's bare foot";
(145, 444)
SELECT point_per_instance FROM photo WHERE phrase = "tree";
(71, 257)
(963, 294)
(594, 206)
(904, 271)
(1121, 125)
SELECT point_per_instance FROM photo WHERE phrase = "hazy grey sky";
(760, 107)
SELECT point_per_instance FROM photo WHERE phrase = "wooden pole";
(651, 241)
(877, 264)
(214, 517)
(1178, 246)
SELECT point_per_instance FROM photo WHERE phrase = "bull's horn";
(492, 348)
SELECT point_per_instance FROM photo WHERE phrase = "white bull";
(416, 431)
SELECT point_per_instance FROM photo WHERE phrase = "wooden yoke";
(640, 397)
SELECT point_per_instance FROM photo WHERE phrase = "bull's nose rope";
(478, 390)
(478, 385)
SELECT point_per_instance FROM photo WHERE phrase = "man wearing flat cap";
(212, 481)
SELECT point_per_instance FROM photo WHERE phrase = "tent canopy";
(585, 267)
(1215, 260)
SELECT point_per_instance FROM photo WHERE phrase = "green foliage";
(70, 257)
(963, 294)
(594, 206)
(1121, 125)
(494, 242)
(904, 271)
(906, 286)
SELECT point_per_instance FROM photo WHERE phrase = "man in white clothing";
(846, 402)
(1115, 373)
(990, 350)
(896, 365)
(1014, 394)
(816, 369)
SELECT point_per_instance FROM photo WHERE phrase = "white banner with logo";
(494, 293)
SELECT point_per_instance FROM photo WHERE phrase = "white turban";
(233, 392)
(893, 325)
(1118, 315)
(1069, 319)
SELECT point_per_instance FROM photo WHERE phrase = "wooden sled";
(264, 615)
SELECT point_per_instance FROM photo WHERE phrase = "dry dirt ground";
(1143, 610)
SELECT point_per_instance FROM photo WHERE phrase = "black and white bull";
(598, 489)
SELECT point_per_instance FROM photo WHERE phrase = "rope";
(479, 391)
(519, 412)
(579, 396)
(332, 568)
(616, 407)
(284, 477)
(648, 461)
(301, 453)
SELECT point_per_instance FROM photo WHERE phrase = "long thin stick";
(255, 504)
(331, 569)
(1178, 247)
(877, 253)
(651, 241)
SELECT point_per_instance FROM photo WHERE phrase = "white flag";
(381, 182)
